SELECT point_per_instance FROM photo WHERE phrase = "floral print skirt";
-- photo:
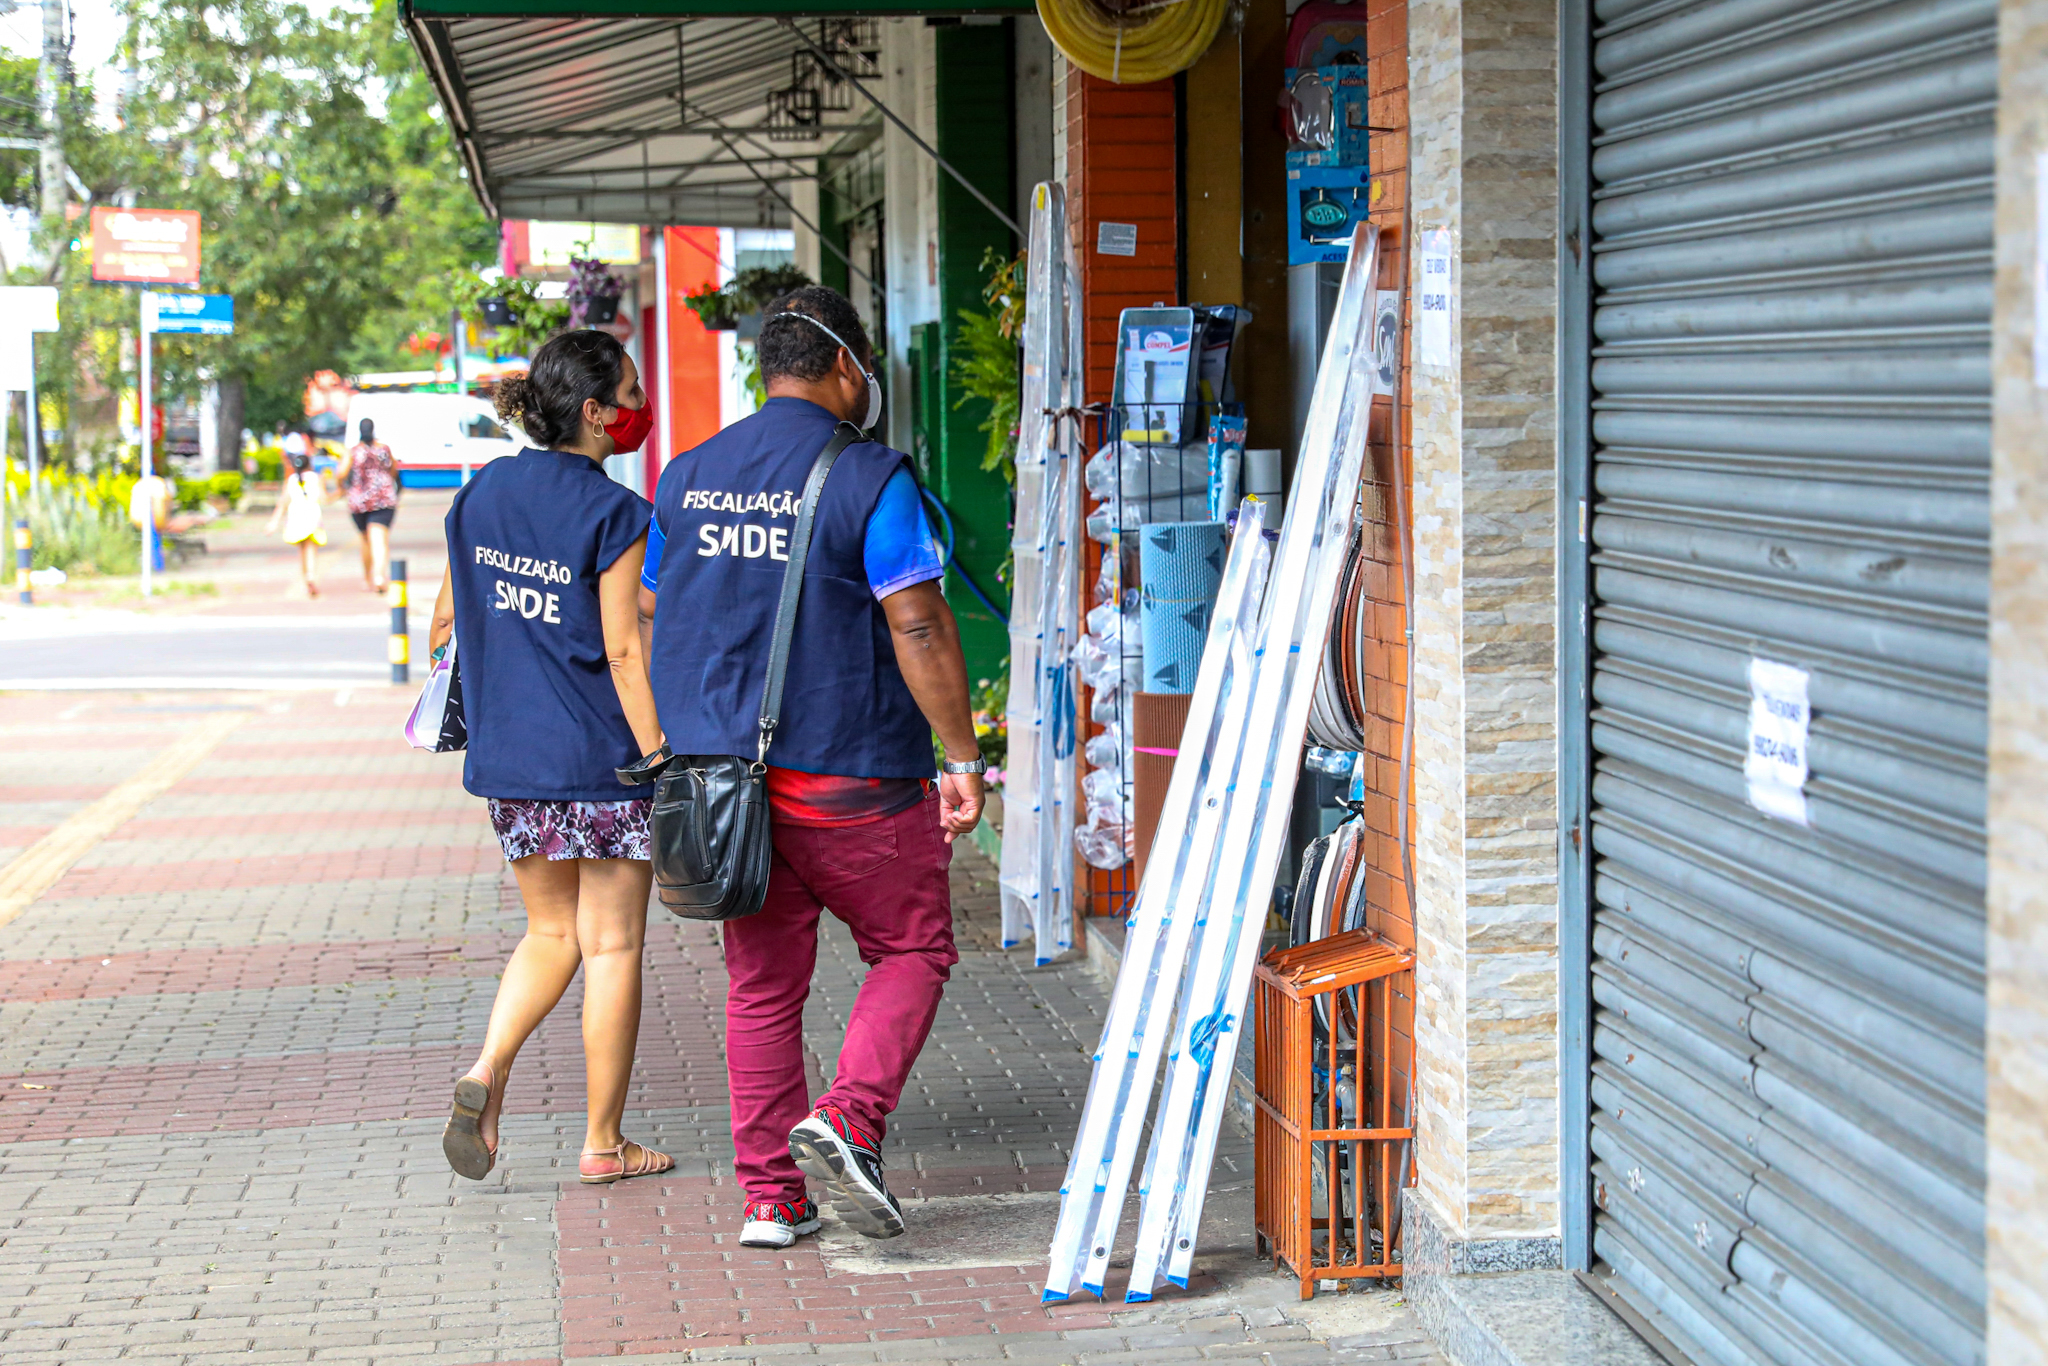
(564, 830)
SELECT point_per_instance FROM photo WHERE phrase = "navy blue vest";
(527, 540)
(726, 509)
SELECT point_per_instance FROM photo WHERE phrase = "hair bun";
(511, 398)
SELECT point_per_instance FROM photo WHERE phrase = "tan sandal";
(645, 1167)
(463, 1140)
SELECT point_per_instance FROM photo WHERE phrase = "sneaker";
(837, 1154)
(778, 1224)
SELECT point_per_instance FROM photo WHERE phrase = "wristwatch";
(975, 765)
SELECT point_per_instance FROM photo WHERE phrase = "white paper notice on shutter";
(1433, 294)
(1779, 717)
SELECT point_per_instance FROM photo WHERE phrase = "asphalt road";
(109, 650)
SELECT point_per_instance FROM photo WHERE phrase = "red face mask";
(629, 428)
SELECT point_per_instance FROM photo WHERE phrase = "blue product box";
(1324, 204)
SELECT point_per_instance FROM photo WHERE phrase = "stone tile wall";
(2016, 1042)
(1482, 109)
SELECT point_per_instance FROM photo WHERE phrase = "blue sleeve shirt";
(898, 551)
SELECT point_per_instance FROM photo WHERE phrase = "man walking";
(875, 669)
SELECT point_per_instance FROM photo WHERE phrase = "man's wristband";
(975, 765)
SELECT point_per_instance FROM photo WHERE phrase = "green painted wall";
(832, 214)
(975, 112)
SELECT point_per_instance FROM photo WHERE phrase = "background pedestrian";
(544, 559)
(369, 477)
(149, 505)
(299, 511)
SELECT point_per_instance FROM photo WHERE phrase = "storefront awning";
(649, 111)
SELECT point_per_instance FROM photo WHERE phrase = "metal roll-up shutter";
(1792, 237)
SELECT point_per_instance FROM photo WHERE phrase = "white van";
(435, 437)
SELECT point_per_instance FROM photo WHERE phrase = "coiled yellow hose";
(1146, 44)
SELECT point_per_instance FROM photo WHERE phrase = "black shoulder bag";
(709, 835)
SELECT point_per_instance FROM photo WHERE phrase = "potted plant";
(519, 318)
(750, 291)
(593, 293)
(714, 308)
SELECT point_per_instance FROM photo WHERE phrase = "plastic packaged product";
(1337, 763)
(1100, 666)
(1090, 657)
(1226, 463)
(1104, 787)
(1107, 749)
(1103, 846)
(1147, 470)
(1114, 623)
(1130, 513)
(1107, 706)
(1101, 525)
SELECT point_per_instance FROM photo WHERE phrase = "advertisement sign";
(552, 244)
(146, 246)
(211, 315)
(32, 308)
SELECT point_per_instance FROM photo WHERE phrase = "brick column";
(2016, 1033)
(1483, 153)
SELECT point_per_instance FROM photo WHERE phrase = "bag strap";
(844, 435)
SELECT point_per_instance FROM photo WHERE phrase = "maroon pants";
(886, 880)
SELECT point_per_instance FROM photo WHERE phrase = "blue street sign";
(211, 314)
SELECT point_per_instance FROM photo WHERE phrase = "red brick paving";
(367, 816)
(240, 748)
(681, 1061)
(54, 792)
(267, 965)
(278, 870)
(264, 784)
(646, 1263)
(646, 1267)
(243, 1093)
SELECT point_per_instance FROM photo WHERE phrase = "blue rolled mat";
(1180, 566)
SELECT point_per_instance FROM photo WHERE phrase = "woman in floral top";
(369, 476)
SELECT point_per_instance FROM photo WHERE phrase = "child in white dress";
(299, 509)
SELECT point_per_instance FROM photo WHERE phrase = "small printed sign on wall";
(1116, 239)
(1779, 717)
(1434, 292)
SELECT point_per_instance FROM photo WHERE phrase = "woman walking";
(299, 509)
(544, 559)
(369, 476)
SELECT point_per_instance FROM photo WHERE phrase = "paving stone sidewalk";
(228, 1035)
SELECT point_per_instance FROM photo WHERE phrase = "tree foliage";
(332, 203)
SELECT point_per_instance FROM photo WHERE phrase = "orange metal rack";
(1316, 1004)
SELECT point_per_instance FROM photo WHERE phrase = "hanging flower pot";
(593, 293)
(497, 313)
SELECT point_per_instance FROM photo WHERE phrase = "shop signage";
(211, 315)
(552, 244)
(1116, 239)
(1779, 716)
(146, 246)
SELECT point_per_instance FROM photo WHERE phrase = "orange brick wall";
(1121, 169)
(1387, 911)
